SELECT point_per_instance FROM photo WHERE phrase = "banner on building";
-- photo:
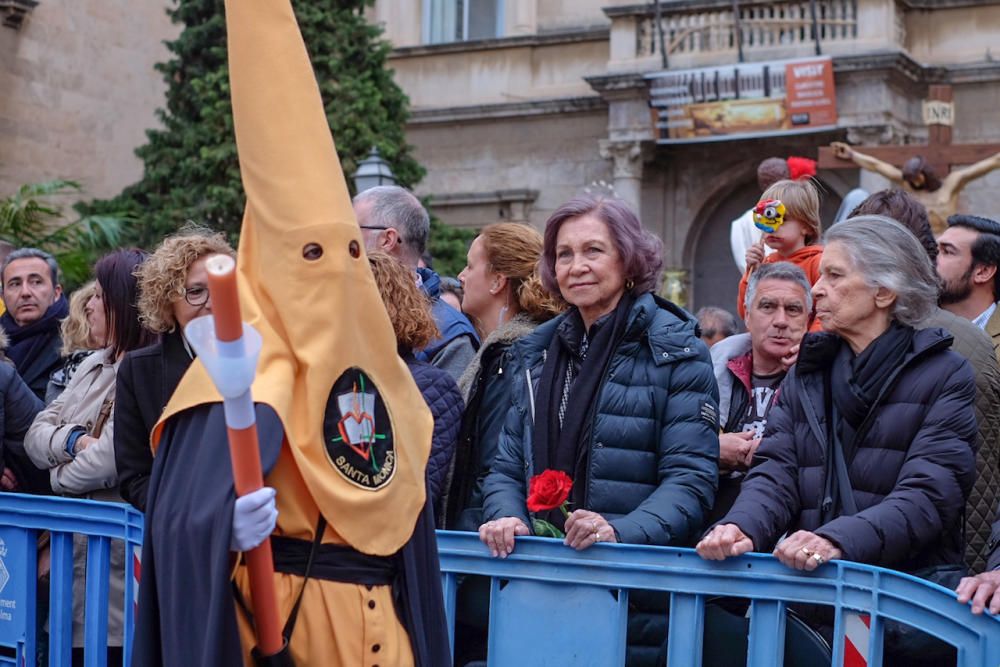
(744, 100)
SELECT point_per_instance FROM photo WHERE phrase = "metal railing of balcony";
(745, 26)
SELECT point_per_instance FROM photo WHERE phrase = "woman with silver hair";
(869, 453)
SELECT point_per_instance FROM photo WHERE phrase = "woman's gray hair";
(888, 255)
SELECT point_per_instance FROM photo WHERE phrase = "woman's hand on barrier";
(499, 535)
(254, 517)
(724, 541)
(585, 529)
(983, 590)
(803, 550)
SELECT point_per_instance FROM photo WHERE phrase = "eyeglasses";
(197, 295)
(371, 227)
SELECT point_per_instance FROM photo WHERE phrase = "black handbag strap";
(844, 489)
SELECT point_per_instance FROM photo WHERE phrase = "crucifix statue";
(919, 174)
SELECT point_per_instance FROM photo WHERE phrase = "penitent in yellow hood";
(306, 286)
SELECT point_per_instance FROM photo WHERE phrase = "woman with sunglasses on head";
(173, 290)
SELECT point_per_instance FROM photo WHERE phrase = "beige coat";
(89, 474)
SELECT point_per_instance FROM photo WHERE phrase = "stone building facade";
(519, 104)
(78, 90)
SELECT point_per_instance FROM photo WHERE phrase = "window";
(462, 20)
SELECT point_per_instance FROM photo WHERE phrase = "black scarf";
(858, 381)
(855, 384)
(31, 347)
(565, 446)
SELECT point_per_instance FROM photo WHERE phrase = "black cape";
(186, 608)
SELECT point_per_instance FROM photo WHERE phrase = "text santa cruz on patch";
(357, 432)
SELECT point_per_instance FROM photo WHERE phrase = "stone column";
(627, 159)
(521, 17)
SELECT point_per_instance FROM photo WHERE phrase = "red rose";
(548, 490)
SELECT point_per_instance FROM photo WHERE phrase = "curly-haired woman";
(409, 311)
(173, 288)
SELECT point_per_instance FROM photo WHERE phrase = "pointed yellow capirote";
(306, 286)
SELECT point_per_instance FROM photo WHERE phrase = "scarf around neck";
(31, 340)
(576, 363)
(858, 380)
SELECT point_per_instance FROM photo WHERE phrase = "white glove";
(254, 517)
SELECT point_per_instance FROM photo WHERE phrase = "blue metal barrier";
(551, 605)
(22, 520)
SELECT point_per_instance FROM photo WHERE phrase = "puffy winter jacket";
(911, 471)
(485, 384)
(445, 402)
(654, 445)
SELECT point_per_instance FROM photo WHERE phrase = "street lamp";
(373, 171)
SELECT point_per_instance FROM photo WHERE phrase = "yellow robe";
(318, 317)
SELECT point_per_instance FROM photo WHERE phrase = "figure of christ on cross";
(918, 173)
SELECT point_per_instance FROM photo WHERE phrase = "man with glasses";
(393, 221)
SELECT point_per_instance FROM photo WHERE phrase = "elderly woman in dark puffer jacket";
(618, 393)
(869, 453)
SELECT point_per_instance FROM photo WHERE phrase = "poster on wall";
(744, 100)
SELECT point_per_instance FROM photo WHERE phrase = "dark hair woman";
(869, 454)
(72, 438)
(618, 393)
(173, 290)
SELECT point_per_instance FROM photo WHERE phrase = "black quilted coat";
(911, 471)
(443, 398)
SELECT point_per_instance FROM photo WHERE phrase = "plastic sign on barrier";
(17, 569)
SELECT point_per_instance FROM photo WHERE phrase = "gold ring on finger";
(807, 552)
(597, 536)
(819, 559)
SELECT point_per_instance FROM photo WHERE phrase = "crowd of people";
(857, 417)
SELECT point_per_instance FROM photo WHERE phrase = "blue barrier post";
(22, 518)
(555, 574)
(550, 605)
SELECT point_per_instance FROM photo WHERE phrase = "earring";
(629, 284)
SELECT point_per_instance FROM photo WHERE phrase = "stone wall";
(555, 156)
(79, 90)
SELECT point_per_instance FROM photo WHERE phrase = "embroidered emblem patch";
(357, 432)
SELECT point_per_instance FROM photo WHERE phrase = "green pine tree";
(191, 170)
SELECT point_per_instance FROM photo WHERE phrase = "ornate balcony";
(709, 32)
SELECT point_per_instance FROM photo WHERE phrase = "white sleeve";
(742, 235)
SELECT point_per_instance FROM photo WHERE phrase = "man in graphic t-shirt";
(750, 367)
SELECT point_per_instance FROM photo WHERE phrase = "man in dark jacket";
(393, 221)
(750, 367)
(35, 307)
